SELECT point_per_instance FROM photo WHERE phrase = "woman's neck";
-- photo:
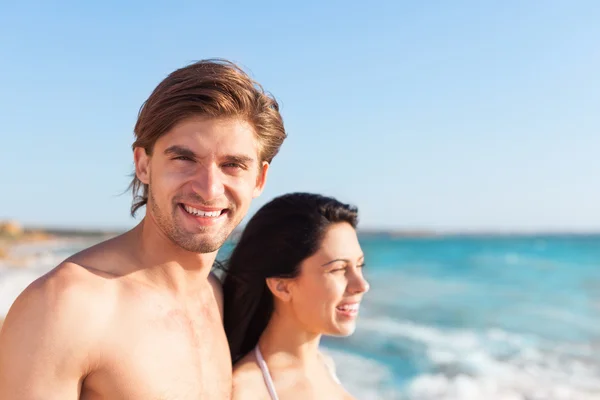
(285, 341)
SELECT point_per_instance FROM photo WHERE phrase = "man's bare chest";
(170, 354)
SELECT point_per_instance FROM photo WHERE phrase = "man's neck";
(164, 263)
(285, 342)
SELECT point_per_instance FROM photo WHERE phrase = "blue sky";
(427, 115)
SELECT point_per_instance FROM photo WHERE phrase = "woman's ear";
(280, 288)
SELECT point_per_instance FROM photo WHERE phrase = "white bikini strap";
(265, 372)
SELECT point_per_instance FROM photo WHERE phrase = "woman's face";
(326, 295)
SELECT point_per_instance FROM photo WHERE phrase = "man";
(139, 316)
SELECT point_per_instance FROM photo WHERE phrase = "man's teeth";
(200, 213)
(349, 307)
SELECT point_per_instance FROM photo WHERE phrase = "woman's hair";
(281, 235)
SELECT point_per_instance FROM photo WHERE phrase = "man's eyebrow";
(180, 151)
(240, 159)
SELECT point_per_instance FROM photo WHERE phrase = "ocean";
(452, 317)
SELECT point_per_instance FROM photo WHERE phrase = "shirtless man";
(139, 316)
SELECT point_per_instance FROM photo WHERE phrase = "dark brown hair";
(282, 234)
(214, 88)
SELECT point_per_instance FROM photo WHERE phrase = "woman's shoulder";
(330, 364)
(247, 378)
(246, 365)
(328, 360)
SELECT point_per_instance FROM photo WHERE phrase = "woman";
(295, 274)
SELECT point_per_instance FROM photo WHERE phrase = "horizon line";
(406, 231)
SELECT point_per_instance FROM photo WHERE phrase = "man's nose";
(208, 183)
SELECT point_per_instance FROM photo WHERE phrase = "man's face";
(202, 176)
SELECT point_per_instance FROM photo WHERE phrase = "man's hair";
(214, 88)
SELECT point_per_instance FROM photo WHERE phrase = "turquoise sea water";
(486, 318)
(478, 318)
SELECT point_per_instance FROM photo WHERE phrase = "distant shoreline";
(63, 232)
(75, 232)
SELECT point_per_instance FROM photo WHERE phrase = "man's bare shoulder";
(65, 295)
(61, 300)
(110, 258)
(51, 334)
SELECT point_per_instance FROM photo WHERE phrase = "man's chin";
(201, 242)
(199, 247)
(203, 238)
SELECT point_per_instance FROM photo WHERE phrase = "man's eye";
(182, 158)
(234, 165)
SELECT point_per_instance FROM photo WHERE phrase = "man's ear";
(280, 288)
(142, 164)
(261, 180)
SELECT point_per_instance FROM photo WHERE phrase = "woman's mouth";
(348, 309)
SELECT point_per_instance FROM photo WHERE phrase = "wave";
(364, 378)
(493, 364)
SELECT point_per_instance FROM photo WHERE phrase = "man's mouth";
(206, 213)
